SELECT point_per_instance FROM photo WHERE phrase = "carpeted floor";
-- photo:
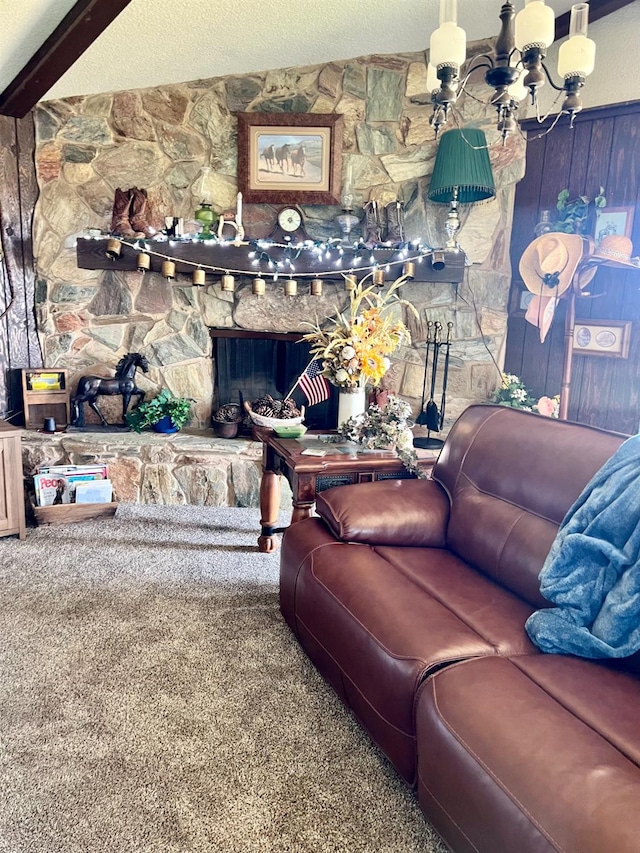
(152, 700)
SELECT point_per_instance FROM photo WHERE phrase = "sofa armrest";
(387, 512)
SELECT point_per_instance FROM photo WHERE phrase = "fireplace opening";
(248, 365)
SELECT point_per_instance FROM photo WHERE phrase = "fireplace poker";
(422, 417)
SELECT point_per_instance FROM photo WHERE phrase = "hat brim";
(605, 261)
(532, 280)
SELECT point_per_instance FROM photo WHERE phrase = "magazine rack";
(45, 394)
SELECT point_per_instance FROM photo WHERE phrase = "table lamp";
(462, 174)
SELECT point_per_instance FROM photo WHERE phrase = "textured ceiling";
(170, 41)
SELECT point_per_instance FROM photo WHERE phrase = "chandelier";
(516, 67)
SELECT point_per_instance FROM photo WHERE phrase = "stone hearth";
(190, 467)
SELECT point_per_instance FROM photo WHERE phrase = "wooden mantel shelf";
(226, 256)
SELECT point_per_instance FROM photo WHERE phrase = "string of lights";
(275, 260)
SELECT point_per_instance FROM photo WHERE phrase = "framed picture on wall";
(289, 157)
(613, 220)
(602, 337)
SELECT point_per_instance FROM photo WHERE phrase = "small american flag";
(313, 384)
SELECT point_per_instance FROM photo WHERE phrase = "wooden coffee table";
(308, 475)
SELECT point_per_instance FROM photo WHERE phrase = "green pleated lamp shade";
(462, 162)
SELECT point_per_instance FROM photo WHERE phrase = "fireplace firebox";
(249, 364)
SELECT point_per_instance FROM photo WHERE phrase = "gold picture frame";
(602, 337)
(286, 158)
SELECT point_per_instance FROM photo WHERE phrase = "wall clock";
(289, 227)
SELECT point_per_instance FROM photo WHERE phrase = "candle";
(239, 210)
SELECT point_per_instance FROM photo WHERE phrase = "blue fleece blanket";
(592, 572)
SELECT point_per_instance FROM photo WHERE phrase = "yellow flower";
(365, 330)
(373, 366)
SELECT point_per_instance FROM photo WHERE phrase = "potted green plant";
(573, 213)
(163, 413)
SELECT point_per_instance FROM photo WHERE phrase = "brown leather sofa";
(410, 597)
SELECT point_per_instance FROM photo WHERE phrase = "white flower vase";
(351, 402)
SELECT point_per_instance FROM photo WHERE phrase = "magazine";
(94, 492)
(57, 484)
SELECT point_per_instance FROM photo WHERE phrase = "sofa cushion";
(346, 601)
(387, 512)
(511, 477)
(531, 754)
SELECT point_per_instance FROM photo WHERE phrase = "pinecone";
(270, 408)
(230, 413)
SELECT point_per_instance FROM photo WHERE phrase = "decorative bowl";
(284, 430)
(264, 421)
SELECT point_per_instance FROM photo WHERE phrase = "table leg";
(269, 509)
(300, 512)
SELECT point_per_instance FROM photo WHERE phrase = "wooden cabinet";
(11, 486)
(45, 394)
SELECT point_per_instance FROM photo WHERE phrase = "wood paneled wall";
(19, 346)
(603, 149)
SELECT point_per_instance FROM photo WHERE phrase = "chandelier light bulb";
(518, 91)
(577, 56)
(535, 25)
(448, 45)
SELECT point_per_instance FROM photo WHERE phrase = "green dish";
(292, 431)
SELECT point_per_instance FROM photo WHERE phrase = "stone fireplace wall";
(160, 138)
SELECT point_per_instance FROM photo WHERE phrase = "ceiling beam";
(80, 27)
(597, 9)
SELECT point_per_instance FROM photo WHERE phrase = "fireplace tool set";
(431, 415)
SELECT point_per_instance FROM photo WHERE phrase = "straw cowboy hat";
(549, 262)
(614, 250)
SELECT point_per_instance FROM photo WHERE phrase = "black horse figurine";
(90, 387)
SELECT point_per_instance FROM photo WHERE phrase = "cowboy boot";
(139, 212)
(372, 223)
(395, 222)
(120, 223)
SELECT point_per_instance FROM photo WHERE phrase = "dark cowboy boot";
(139, 212)
(120, 223)
(372, 223)
(395, 222)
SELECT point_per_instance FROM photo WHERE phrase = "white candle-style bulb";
(448, 45)
(577, 56)
(239, 210)
(518, 91)
(535, 24)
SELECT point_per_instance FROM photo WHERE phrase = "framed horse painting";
(289, 157)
